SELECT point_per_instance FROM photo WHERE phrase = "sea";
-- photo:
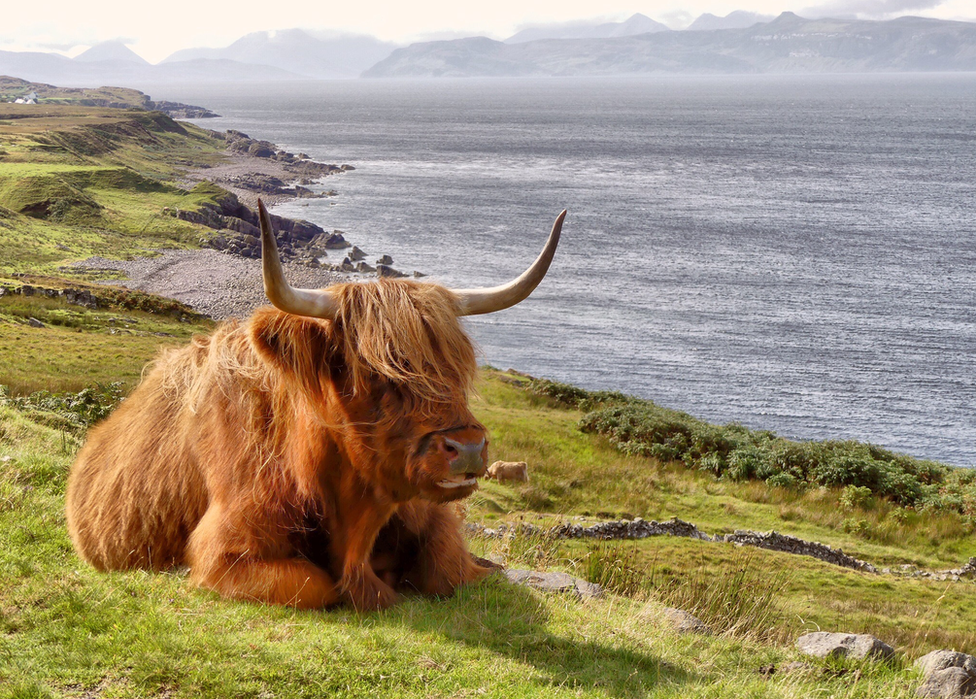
(792, 253)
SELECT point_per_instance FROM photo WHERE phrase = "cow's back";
(135, 491)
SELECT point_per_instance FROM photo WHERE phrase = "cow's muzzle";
(464, 458)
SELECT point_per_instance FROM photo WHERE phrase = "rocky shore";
(223, 280)
(256, 168)
(213, 283)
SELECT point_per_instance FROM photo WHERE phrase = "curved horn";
(317, 303)
(497, 298)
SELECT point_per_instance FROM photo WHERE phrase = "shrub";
(73, 411)
(783, 479)
(642, 428)
(854, 496)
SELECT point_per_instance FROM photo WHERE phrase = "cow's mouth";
(458, 481)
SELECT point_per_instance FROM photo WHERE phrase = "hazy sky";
(154, 30)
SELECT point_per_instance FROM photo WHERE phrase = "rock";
(941, 659)
(35, 323)
(364, 268)
(346, 168)
(335, 241)
(555, 582)
(949, 683)
(387, 271)
(385, 260)
(356, 255)
(683, 622)
(418, 275)
(822, 644)
(261, 149)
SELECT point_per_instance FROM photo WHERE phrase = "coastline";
(220, 283)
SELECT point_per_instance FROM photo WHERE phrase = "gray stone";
(387, 271)
(822, 644)
(555, 582)
(356, 254)
(941, 659)
(385, 260)
(35, 323)
(683, 622)
(949, 683)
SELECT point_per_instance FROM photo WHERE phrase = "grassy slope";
(76, 182)
(66, 630)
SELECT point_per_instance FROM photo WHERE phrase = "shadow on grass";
(512, 621)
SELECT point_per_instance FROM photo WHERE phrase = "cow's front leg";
(442, 562)
(360, 585)
(251, 569)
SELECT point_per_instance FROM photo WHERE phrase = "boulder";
(555, 582)
(683, 622)
(387, 271)
(364, 268)
(822, 644)
(385, 260)
(335, 241)
(356, 254)
(948, 674)
(35, 323)
(941, 659)
(949, 683)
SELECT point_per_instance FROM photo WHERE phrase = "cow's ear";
(294, 345)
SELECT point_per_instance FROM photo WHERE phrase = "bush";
(854, 496)
(734, 452)
(75, 411)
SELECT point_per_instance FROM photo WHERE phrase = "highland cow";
(503, 471)
(304, 456)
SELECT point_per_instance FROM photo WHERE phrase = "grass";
(83, 181)
(66, 630)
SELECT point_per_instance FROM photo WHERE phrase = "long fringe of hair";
(409, 333)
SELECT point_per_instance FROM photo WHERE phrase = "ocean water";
(792, 253)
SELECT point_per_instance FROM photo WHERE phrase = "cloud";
(869, 9)
(676, 19)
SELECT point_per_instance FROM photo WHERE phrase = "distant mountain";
(60, 70)
(637, 24)
(111, 51)
(292, 54)
(788, 44)
(734, 20)
(326, 55)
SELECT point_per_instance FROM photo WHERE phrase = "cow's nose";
(463, 457)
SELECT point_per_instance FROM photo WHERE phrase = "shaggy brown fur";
(292, 460)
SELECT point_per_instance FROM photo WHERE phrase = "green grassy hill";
(76, 182)
(82, 181)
